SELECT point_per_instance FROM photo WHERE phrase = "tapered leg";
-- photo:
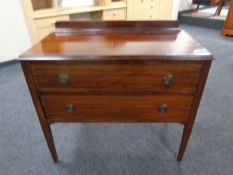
(41, 115)
(188, 126)
(50, 142)
(184, 140)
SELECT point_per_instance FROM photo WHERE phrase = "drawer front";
(117, 108)
(50, 22)
(143, 78)
(116, 14)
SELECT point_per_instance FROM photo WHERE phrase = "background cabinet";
(115, 14)
(47, 25)
(149, 9)
(141, 10)
(228, 26)
(41, 15)
(165, 9)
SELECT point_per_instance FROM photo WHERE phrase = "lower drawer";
(117, 108)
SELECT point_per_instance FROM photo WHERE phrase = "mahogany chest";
(116, 72)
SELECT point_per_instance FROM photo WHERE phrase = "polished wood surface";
(117, 108)
(193, 112)
(74, 40)
(115, 72)
(228, 25)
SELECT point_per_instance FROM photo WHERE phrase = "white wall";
(180, 5)
(176, 6)
(185, 5)
(14, 38)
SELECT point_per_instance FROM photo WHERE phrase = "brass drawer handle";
(63, 78)
(70, 108)
(163, 108)
(167, 79)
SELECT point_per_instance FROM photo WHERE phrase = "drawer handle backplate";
(70, 108)
(167, 79)
(163, 108)
(63, 78)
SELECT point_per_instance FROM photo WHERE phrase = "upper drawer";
(50, 21)
(131, 78)
(115, 14)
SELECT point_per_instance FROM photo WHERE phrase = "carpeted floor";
(122, 149)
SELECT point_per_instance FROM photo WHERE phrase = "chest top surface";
(116, 41)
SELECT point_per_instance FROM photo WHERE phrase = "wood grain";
(120, 78)
(117, 24)
(117, 108)
(45, 125)
(193, 112)
(137, 41)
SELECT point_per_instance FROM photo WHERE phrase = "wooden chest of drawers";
(116, 72)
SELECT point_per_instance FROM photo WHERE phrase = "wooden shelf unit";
(41, 15)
